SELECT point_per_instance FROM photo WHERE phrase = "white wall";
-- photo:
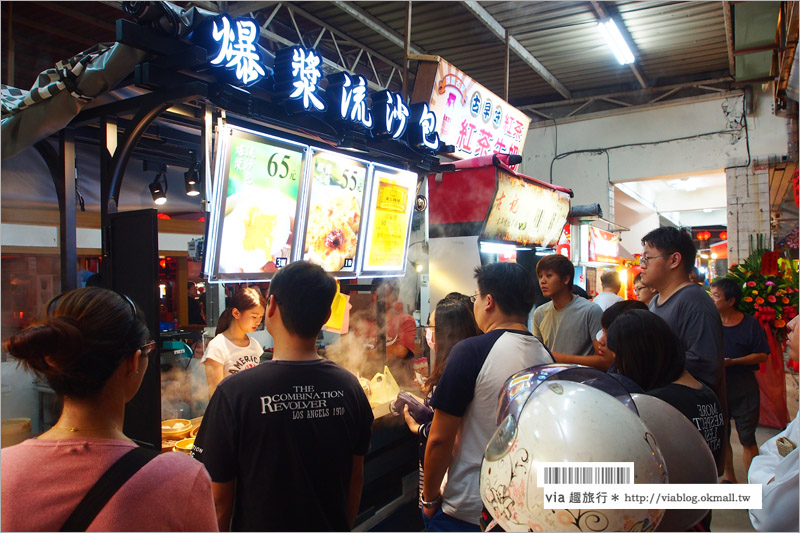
(588, 173)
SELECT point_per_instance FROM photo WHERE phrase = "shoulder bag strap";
(105, 487)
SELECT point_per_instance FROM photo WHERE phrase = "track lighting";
(158, 189)
(191, 177)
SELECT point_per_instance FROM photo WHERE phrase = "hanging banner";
(337, 189)
(468, 115)
(525, 213)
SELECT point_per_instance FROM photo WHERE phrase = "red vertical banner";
(771, 379)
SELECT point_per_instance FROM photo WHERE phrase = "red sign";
(564, 246)
(603, 246)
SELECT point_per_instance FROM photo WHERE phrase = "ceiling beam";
(237, 9)
(376, 25)
(601, 12)
(616, 94)
(94, 21)
(499, 32)
(727, 14)
(305, 14)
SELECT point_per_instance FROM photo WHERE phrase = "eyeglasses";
(637, 290)
(644, 259)
(148, 348)
(474, 297)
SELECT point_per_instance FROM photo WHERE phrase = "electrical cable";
(645, 143)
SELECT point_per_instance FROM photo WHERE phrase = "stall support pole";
(380, 318)
(407, 50)
(62, 171)
(67, 233)
(508, 64)
(108, 148)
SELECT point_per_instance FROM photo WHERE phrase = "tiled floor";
(731, 520)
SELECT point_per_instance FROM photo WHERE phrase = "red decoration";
(723, 235)
(163, 216)
(769, 264)
(703, 236)
(795, 188)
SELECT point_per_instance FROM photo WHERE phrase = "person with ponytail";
(232, 350)
(91, 345)
(451, 322)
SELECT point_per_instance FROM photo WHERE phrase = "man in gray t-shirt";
(667, 259)
(567, 324)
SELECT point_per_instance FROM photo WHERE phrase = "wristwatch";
(433, 504)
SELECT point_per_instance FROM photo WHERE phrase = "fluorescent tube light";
(615, 41)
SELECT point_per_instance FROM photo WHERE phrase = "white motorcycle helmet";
(549, 419)
(686, 454)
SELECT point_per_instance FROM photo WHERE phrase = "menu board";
(392, 198)
(525, 213)
(337, 189)
(258, 180)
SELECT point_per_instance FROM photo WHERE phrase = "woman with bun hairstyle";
(92, 347)
(231, 349)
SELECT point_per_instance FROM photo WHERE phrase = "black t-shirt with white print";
(286, 431)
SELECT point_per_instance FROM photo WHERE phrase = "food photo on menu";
(260, 205)
(334, 218)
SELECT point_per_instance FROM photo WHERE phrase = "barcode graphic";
(585, 474)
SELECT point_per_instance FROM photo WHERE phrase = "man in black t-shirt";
(284, 442)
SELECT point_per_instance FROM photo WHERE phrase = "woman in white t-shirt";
(231, 350)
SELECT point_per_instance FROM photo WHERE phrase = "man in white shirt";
(611, 286)
(465, 399)
(776, 468)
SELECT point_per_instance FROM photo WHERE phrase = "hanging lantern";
(723, 236)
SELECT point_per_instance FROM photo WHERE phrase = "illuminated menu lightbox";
(525, 213)
(276, 201)
(258, 182)
(392, 196)
(337, 188)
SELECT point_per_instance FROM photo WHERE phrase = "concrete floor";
(731, 520)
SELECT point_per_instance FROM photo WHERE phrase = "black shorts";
(744, 404)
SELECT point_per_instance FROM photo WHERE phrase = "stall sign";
(391, 115)
(256, 204)
(525, 213)
(296, 78)
(234, 43)
(564, 246)
(348, 96)
(393, 192)
(603, 246)
(472, 118)
(333, 228)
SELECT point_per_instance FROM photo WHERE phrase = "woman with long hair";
(451, 322)
(92, 347)
(231, 349)
(649, 353)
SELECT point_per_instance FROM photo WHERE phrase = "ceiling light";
(191, 177)
(616, 41)
(158, 189)
(191, 184)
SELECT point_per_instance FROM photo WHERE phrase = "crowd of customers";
(257, 462)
